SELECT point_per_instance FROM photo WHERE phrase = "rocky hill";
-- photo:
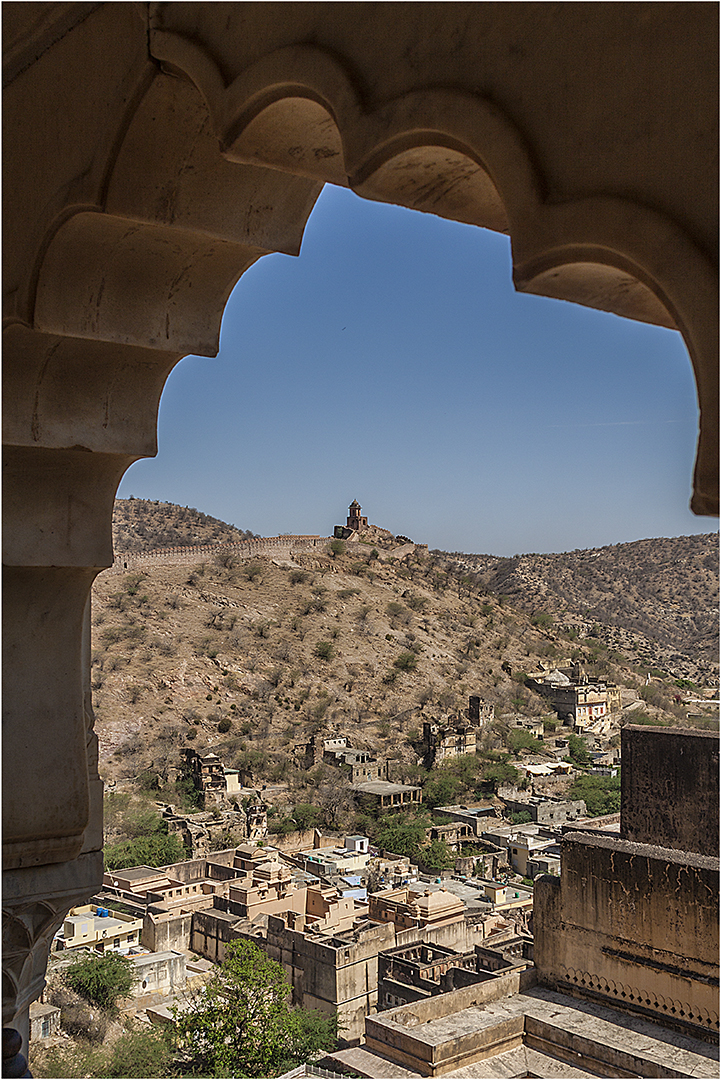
(653, 597)
(144, 525)
(250, 656)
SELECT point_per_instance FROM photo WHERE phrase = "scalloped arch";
(300, 114)
(308, 93)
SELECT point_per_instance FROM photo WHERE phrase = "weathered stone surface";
(670, 788)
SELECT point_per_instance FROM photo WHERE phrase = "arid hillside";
(143, 525)
(252, 655)
(663, 592)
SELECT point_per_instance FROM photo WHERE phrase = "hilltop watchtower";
(355, 520)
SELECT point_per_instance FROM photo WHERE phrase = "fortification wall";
(633, 925)
(244, 549)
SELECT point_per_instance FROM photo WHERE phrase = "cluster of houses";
(312, 911)
(357, 930)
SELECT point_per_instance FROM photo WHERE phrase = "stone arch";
(192, 139)
(295, 119)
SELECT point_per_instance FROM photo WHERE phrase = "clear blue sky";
(394, 363)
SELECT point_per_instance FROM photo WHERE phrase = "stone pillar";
(61, 471)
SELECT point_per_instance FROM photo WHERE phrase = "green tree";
(156, 850)
(336, 547)
(437, 856)
(500, 773)
(440, 789)
(101, 979)
(578, 751)
(242, 1023)
(520, 739)
(601, 794)
(307, 816)
(405, 661)
(401, 834)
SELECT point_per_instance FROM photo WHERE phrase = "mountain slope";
(250, 656)
(144, 525)
(662, 590)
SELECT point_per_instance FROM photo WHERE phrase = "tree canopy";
(241, 1022)
(101, 979)
(401, 833)
(156, 850)
(601, 794)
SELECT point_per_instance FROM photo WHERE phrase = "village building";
(357, 766)
(577, 700)
(99, 928)
(539, 770)
(389, 796)
(546, 811)
(414, 972)
(454, 834)
(446, 743)
(388, 870)
(477, 817)
(333, 862)
(453, 738)
(416, 906)
(532, 724)
(44, 1022)
(210, 777)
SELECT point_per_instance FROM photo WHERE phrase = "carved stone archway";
(155, 151)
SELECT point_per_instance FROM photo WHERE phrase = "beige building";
(99, 928)
(416, 906)
(153, 153)
(577, 700)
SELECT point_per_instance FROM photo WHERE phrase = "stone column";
(61, 471)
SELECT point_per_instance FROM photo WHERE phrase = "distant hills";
(144, 525)
(666, 589)
(656, 598)
(251, 655)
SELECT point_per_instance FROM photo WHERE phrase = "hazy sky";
(392, 362)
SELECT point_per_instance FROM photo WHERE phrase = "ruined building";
(154, 152)
(445, 741)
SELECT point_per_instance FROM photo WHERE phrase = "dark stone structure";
(633, 919)
(355, 519)
(669, 788)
